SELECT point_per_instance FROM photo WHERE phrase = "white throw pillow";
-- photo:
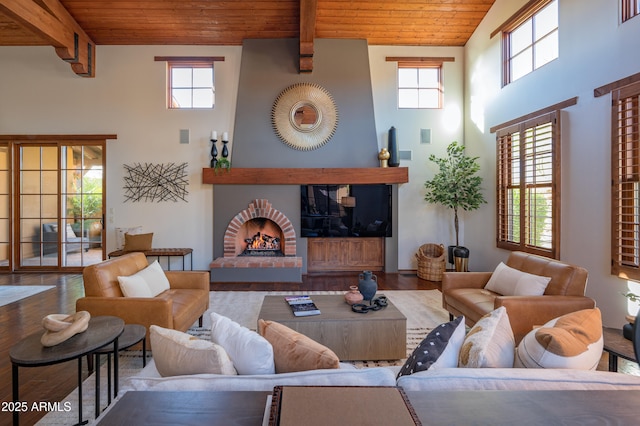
(176, 353)
(152, 277)
(508, 281)
(134, 286)
(155, 278)
(572, 341)
(250, 352)
(134, 230)
(489, 343)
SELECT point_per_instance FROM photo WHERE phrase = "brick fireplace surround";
(234, 265)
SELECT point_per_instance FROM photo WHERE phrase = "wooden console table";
(162, 252)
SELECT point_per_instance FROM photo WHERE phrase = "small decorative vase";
(368, 285)
(394, 158)
(383, 156)
(353, 295)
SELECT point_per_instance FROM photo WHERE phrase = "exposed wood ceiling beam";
(51, 21)
(307, 33)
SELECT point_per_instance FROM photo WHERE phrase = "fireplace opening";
(262, 244)
(261, 237)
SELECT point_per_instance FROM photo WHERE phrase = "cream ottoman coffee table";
(376, 335)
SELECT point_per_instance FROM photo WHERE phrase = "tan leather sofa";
(177, 308)
(463, 293)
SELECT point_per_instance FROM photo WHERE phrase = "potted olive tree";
(456, 186)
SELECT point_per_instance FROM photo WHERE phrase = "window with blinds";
(528, 176)
(629, 9)
(625, 170)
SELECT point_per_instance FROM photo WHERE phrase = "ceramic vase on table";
(368, 285)
(353, 296)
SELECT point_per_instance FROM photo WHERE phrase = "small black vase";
(394, 159)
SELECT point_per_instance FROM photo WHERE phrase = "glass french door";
(5, 206)
(59, 205)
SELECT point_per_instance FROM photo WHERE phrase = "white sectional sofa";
(458, 379)
(346, 375)
(445, 379)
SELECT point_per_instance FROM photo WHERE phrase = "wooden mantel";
(306, 176)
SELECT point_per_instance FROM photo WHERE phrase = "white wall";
(418, 221)
(41, 95)
(595, 49)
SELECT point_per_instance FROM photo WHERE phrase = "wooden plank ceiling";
(217, 22)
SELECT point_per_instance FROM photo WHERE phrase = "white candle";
(225, 136)
(214, 135)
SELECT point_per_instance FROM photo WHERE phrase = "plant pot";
(461, 259)
(450, 254)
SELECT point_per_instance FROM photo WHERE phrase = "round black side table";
(132, 334)
(29, 352)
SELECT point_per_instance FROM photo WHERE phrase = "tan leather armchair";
(177, 308)
(463, 293)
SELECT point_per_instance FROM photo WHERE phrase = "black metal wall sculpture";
(156, 182)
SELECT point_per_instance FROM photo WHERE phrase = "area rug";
(13, 293)
(421, 307)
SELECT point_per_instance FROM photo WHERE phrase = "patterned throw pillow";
(573, 341)
(489, 343)
(438, 350)
(176, 353)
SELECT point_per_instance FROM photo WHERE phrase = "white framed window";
(191, 85)
(190, 81)
(419, 85)
(530, 40)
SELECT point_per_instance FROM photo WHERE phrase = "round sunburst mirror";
(304, 116)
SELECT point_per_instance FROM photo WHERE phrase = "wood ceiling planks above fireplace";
(306, 176)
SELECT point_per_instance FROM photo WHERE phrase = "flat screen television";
(345, 211)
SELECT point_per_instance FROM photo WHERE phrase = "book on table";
(302, 306)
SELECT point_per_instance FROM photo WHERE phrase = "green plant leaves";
(456, 185)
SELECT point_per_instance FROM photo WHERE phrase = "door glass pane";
(30, 182)
(38, 207)
(5, 203)
(59, 207)
(82, 200)
(50, 158)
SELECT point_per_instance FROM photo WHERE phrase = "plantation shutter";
(625, 179)
(528, 178)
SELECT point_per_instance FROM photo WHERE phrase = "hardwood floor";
(53, 383)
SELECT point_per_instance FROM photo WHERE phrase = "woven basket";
(431, 261)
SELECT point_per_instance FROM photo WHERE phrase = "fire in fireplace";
(260, 230)
(262, 244)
